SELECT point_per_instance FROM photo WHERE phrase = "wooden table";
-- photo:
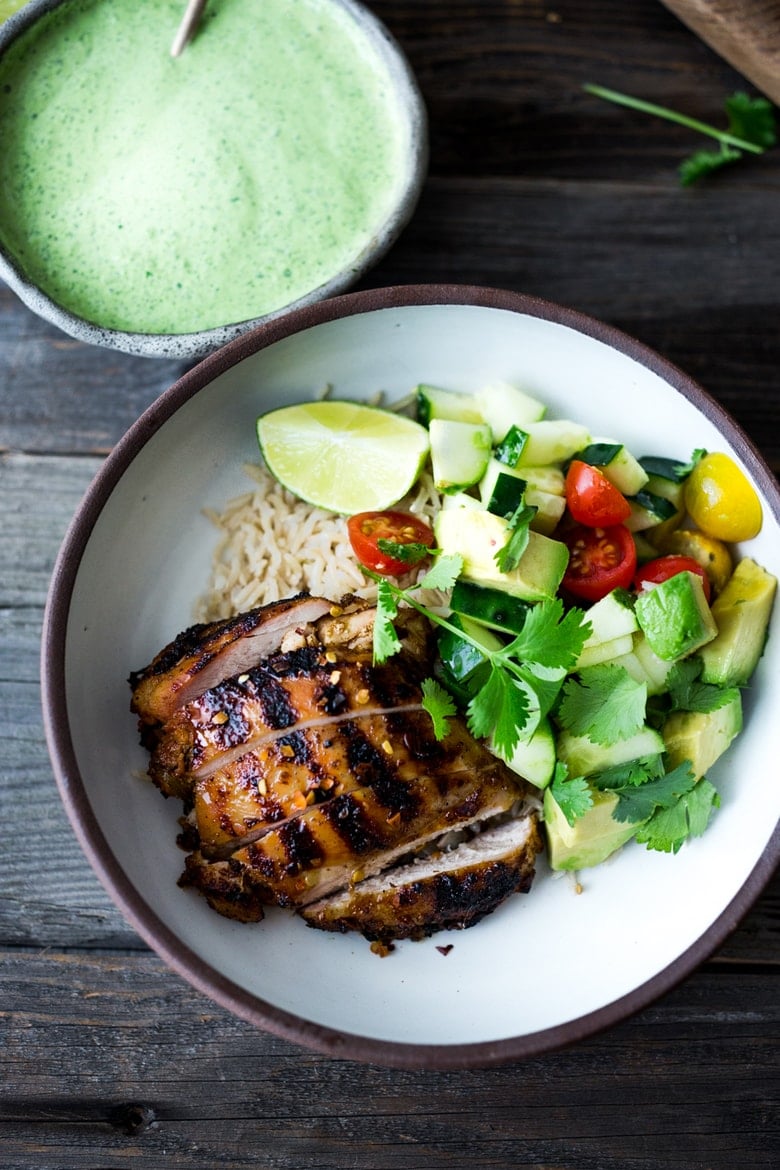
(108, 1059)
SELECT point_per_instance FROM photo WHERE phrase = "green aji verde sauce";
(160, 195)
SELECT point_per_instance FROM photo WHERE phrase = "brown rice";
(273, 545)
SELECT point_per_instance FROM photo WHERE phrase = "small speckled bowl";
(360, 255)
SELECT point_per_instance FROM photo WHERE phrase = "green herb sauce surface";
(161, 195)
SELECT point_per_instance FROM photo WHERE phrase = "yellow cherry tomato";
(720, 499)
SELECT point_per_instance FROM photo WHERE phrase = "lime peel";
(345, 457)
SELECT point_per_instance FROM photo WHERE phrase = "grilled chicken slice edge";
(205, 654)
(445, 891)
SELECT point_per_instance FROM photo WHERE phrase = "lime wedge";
(343, 456)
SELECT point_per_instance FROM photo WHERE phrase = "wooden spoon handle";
(746, 33)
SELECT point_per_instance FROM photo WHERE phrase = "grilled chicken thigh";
(306, 769)
(449, 890)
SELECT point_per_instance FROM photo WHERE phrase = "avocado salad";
(595, 622)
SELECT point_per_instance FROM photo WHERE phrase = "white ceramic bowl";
(545, 969)
(360, 252)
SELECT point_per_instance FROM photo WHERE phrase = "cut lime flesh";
(343, 456)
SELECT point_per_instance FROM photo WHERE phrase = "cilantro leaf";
(549, 637)
(573, 796)
(544, 681)
(668, 828)
(439, 705)
(386, 641)
(687, 693)
(508, 556)
(444, 573)
(631, 773)
(606, 704)
(752, 119)
(638, 802)
(500, 708)
(411, 552)
(704, 162)
(751, 129)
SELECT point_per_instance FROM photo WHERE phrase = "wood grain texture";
(745, 32)
(107, 1059)
(95, 1047)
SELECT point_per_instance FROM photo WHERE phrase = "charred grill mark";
(306, 660)
(276, 704)
(301, 848)
(372, 768)
(348, 817)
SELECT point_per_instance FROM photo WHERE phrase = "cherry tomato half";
(366, 529)
(662, 568)
(600, 560)
(592, 499)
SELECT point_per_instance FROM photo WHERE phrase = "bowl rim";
(177, 955)
(196, 345)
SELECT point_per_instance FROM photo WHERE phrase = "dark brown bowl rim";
(141, 916)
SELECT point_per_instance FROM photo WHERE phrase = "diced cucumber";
(506, 494)
(459, 453)
(656, 670)
(491, 607)
(663, 468)
(459, 656)
(543, 479)
(503, 405)
(617, 463)
(552, 441)
(549, 510)
(455, 500)
(585, 758)
(477, 536)
(511, 447)
(605, 651)
(612, 619)
(675, 617)
(433, 402)
(647, 510)
(534, 757)
(504, 491)
(674, 492)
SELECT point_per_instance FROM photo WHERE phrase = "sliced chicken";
(445, 891)
(303, 688)
(304, 768)
(357, 834)
(205, 654)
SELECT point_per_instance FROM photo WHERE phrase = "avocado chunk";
(741, 613)
(477, 536)
(675, 617)
(702, 736)
(592, 837)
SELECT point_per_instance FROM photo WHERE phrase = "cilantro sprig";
(409, 553)
(605, 703)
(523, 676)
(751, 129)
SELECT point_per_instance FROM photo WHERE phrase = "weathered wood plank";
(107, 1060)
(503, 84)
